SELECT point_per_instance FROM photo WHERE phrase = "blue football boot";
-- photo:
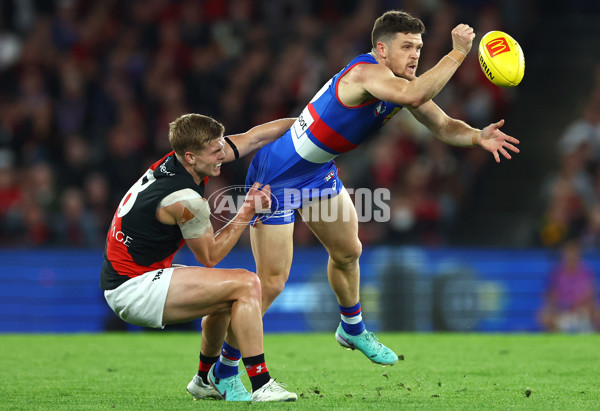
(367, 343)
(230, 388)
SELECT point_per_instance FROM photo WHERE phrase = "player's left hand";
(495, 141)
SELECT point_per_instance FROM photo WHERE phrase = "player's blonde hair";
(392, 22)
(191, 132)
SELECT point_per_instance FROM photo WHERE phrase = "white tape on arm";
(185, 194)
(196, 214)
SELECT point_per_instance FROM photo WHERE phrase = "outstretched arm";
(365, 81)
(256, 137)
(458, 133)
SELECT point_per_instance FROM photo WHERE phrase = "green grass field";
(439, 371)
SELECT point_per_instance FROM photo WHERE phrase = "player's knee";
(348, 255)
(272, 286)
(254, 283)
(250, 284)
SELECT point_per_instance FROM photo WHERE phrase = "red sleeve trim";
(338, 82)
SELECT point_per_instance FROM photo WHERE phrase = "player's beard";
(406, 73)
(409, 73)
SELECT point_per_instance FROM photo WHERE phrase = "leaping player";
(349, 108)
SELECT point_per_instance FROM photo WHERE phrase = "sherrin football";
(501, 59)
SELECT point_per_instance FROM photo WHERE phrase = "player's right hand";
(462, 38)
(258, 199)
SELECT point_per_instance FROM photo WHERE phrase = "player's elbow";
(415, 96)
(408, 97)
(206, 260)
(210, 262)
(416, 100)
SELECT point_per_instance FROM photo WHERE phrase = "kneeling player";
(163, 210)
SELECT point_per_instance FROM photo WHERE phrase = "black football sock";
(257, 371)
(204, 366)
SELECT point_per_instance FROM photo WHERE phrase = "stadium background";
(87, 90)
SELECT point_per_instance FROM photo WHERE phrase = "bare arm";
(458, 133)
(379, 82)
(193, 218)
(257, 137)
(366, 81)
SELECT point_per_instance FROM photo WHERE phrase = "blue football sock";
(227, 366)
(352, 321)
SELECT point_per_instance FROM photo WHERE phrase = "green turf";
(439, 371)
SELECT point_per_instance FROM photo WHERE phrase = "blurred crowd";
(571, 194)
(570, 222)
(88, 88)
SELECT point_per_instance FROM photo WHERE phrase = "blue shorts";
(292, 190)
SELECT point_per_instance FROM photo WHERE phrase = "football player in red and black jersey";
(164, 210)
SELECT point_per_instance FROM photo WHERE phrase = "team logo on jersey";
(392, 114)
(329, 176)
(379, 108)
(163, 169)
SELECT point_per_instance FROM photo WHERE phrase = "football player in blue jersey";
(349, 108)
